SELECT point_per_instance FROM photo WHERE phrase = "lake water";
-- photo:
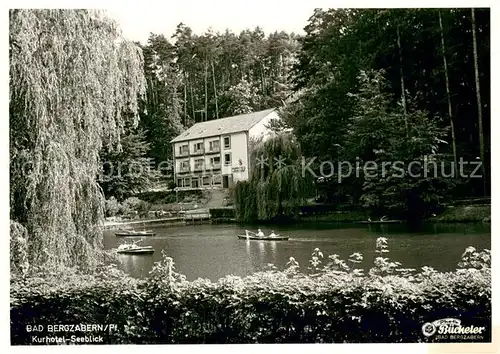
(214, 251)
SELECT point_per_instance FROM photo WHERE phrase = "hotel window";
(227, 159)
(215, 161)
(227, 142)
(217, 179)
(183, 150)
(206, 180)
(198, 164)
(185, 165)
(198, 147)
(214, 145)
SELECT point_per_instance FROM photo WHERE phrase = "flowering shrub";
(336, 302)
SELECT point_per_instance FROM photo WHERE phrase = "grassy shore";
(456, 214)
(349, 216)
(465, 213)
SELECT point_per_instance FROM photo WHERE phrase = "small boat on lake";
(135, 233)
(132, 248)
(267, 238)
(249, 235)
(381, 221)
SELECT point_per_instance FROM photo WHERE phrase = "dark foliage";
(222, 213)
(333, 303)
(406, 44)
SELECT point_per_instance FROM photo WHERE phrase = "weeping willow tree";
(276, 187)
(73, 80)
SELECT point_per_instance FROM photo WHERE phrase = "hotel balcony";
(182, 154)
(213, 151)
(184, 170)
(206, 168)
(198, 152)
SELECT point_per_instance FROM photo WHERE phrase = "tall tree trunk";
(149, 97)
(452, 123)
(478, 97)
(155, 93)
(192, 100)
(263, 78)
(223, 80)
(206, 88)
(215, 92)
(280, 65)
(185, 99)
(403, 92)
(151, 85)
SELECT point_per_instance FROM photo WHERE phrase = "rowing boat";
(134, 233)
(250, 235)
(140, 250)
(134, 249)
(382, 222)
(267, 238)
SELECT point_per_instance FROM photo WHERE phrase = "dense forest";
(360, 85)
(396, 85)
(434, 61)
(193, 78)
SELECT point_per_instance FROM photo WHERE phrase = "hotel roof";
(222, 126)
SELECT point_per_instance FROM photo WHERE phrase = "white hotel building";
(215, 154)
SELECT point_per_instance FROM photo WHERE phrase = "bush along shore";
(465, 213)
(451, 214)
(332, 301)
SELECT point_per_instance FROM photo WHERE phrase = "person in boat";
(272, 234)
(260, 233)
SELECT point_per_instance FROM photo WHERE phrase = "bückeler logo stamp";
(452, 329)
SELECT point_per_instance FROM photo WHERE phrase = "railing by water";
(196, 216)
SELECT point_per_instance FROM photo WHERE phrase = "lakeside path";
(115, 224)
(167, 220)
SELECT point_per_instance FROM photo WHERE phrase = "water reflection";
(131, 263)
(382, 229)
(262, 251)
(247, 247)
(273, 249)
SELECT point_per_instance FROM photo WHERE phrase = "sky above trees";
(139, 21)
